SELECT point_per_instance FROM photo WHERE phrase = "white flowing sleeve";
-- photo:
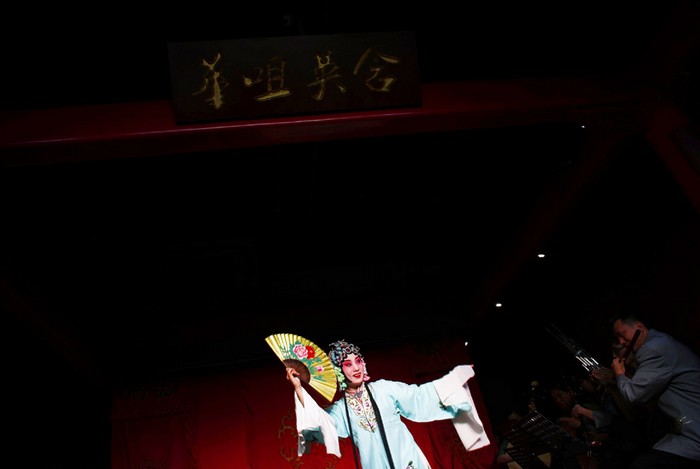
(314, 424)
(453, 390)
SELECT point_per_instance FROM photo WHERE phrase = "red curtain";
(245, 418)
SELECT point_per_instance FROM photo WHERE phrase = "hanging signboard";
(264, 77)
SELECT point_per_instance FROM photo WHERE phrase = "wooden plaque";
(275, 76)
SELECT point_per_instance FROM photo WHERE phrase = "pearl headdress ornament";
(338, 352)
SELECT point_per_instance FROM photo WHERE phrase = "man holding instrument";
(667, 373)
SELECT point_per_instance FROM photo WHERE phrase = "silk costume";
(445, 398)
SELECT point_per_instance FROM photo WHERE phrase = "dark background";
(120, 272)
(63, 55)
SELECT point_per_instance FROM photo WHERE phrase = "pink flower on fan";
(319, 369)
(301, 351)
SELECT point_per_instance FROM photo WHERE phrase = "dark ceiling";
(70, 56)
(119, 271)
(181, 264)
(153, 259)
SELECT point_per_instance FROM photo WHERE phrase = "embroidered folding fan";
(307, 358)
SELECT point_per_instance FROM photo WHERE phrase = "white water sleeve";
(453, 390)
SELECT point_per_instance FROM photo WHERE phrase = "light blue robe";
(419, 403)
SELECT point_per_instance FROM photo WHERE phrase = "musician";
(564, 396)
(618, 430)
(667, 373)
(503, 458)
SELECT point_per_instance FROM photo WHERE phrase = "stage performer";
(371, 412)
